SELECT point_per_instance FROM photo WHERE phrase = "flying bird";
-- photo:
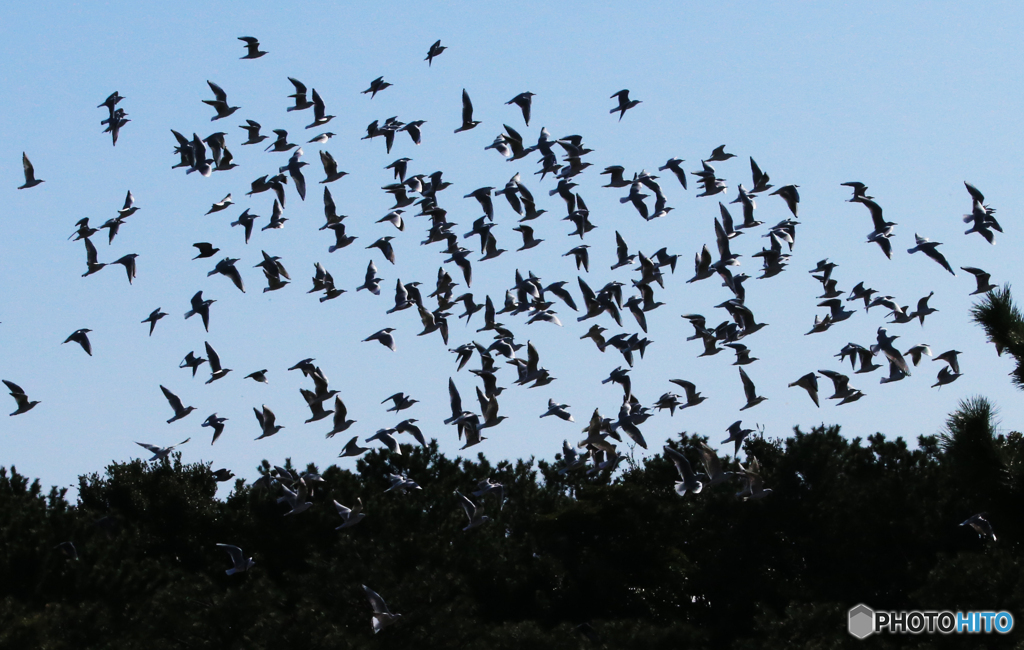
(180, 410)
(435, 50)
(24, 405)
(376, 86)
(382, 616)
(81, 337)
(153, 317)
(239, 563)
(625, 103)
(253, 49)
(30, 173)
(159, 453)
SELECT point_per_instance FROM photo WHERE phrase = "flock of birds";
(529, 297)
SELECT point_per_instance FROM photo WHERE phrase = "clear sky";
(911, 99)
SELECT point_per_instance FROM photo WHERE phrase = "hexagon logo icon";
(862, 621)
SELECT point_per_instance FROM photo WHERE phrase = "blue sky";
(911, 99)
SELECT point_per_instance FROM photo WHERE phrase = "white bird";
(240, 562)
(689, 482)
(401, 484)
(350, 516)
(487, 486)
(558, 410)
(296, 500)
(980, 526)
(474, 512)
(753, 488)
(382, 616)
(159, 453)
(712, 465)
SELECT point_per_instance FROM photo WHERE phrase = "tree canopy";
(571, 559)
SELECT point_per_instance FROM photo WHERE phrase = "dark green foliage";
(1004, 326)
(570, 561)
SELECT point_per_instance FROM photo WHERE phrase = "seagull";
(352, 447)
(737, 435)
(226, 267)
(30, 173)
(980, 525)
(929, 248)
(753, 399)
(217, 424)
(950, 357)
(253, 51)
(693, 398)
(719, 155)
(330, 168)
(220, 104)
(295, 500)
(558, 410)
(712, 465)
(267, 421)
(752, 489)
(946, 376)
(221, 205)
(259, 375)
(238, 560)
(80, 337)
(523, 101)
(319, 110)
(383, 337)
(180, 411)
(376, 86)
(20, 397)
(474, 512)
(349, 516)
(809, 382)
(625, 103)
(128, 262)
(253, 129)
(689, 482)
(435, 50)
(301, 103)
(216, 371)
(159, 453)
(982, 278)
(91, 258)
(401, 402)
(382, 616)
(153, 317)
(201, 307)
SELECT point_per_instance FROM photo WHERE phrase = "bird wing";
(213, 358)
(173, 400)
